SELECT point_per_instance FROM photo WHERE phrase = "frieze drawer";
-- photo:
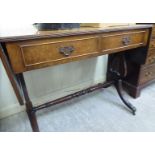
(28, 55)
(152, 44)
(147, 74)
(123, 41)
(151, 56)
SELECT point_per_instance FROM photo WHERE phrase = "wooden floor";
(101, 111)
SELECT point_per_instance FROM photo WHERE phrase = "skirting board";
(16, 108)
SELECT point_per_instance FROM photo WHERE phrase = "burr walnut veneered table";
(24, 51)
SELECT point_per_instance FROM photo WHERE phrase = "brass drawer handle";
(66, 51)
(126, 40)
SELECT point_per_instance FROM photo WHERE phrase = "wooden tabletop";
(33, 33)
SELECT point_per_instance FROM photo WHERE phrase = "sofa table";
(25, 51)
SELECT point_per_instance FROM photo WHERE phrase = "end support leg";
(32, 117)
(118, 86)
(29, 106)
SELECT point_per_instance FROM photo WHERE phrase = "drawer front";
(151, 56)
(30, 55)
(122, 41)
(153, 33)
(147, 74)
(152, 44)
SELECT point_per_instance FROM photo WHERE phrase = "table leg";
(117, 70)
(11, 75)
(29, 106)
(118, 86)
